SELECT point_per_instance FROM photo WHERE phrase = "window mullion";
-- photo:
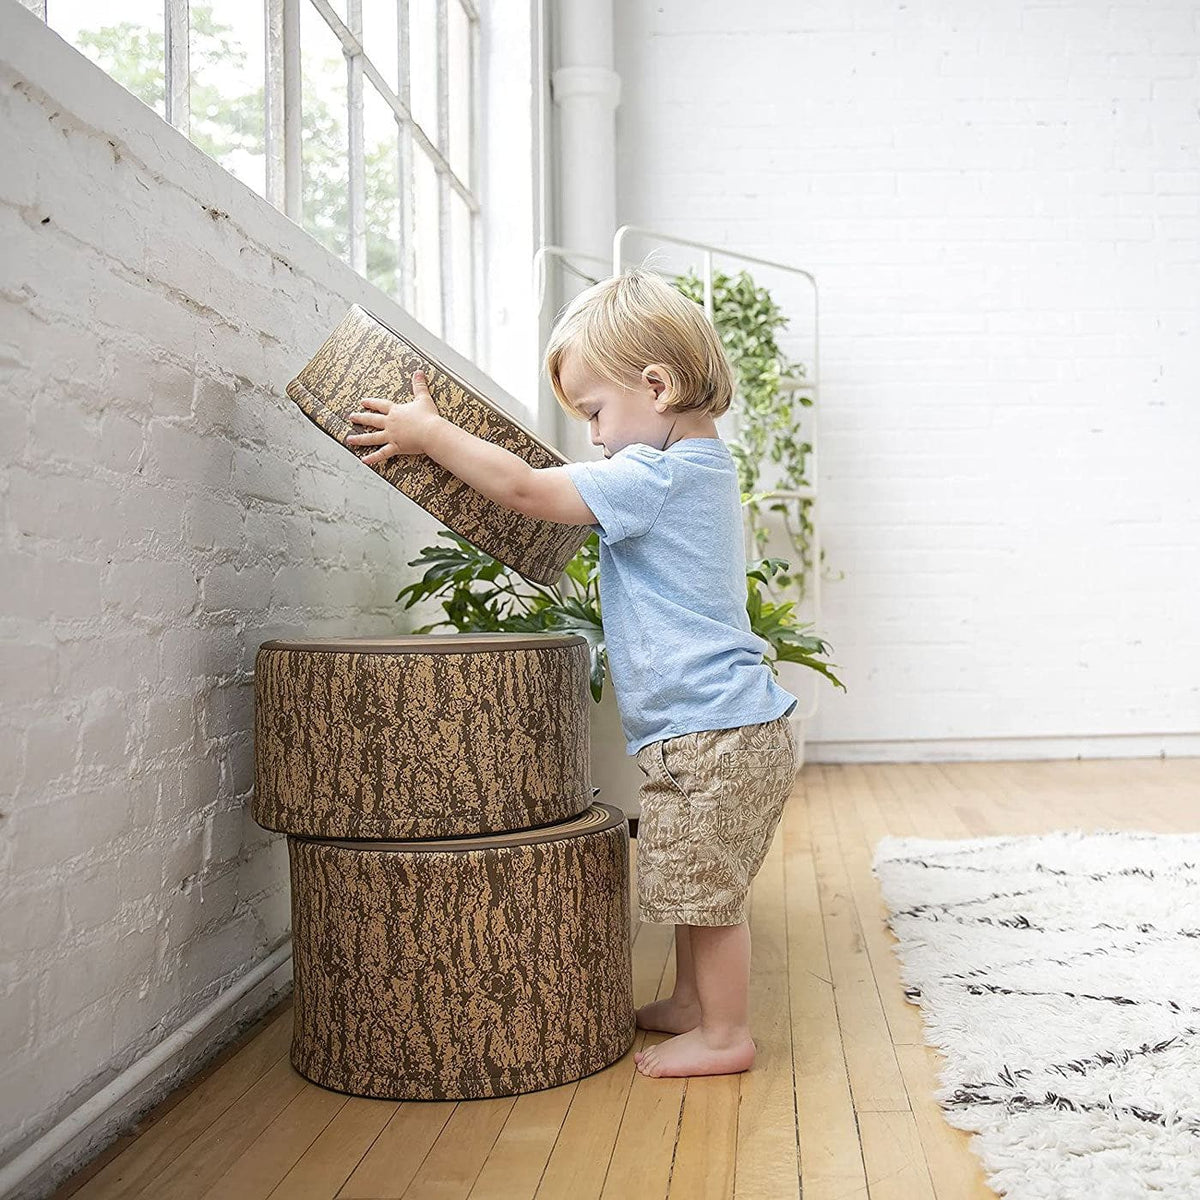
(405, 257)
(443, 184)
(273, 95)
(286, 67)
(178, 81)
(354, 123)
(475, 219)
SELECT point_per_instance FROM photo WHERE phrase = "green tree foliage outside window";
(225, 125)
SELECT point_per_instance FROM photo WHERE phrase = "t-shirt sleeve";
(626, 492)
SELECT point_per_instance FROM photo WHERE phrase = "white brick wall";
(166, 508)
(1002, 206)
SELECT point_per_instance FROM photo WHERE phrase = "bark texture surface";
(365, 357)
(463, 969)
(421, 736)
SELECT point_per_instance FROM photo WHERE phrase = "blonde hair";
(622, 324)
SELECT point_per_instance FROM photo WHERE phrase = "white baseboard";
(1135, 745)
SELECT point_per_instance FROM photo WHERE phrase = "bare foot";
(690, 1054)
(669, 1015)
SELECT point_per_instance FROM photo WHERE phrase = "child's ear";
(658, 377)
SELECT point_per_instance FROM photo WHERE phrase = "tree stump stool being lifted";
(363, 356)
(460, 908)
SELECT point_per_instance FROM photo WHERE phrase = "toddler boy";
(700, 709)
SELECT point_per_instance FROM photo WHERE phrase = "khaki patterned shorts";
(711, 802)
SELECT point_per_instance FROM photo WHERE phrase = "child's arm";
(505, 477)
(418, 428)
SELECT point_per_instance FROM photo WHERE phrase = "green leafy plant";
(770, 390)
(481, 595)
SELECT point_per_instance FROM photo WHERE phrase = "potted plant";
(480, 594)
(771, 388)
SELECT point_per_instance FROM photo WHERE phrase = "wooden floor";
(838, 1103)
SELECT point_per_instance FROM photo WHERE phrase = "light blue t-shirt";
(681, 654)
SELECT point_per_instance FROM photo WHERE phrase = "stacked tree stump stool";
(460, 906)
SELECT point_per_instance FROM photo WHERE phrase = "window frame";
(283, 134)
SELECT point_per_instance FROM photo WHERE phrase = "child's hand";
(395, 428)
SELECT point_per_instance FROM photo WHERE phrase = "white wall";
(1002, 206)
(166, 508)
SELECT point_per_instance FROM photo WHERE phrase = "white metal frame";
(539, 267)
(810, 386)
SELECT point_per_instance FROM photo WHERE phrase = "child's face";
(617, 416)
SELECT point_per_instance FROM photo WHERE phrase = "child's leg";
(721, 1044)
(722, 959)
(680, 1011)
(717, 797)
(685, 966)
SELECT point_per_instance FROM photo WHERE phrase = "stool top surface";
(599, 818)
(427, 643)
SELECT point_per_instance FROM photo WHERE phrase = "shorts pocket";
(664, 832)
(662, 763)
(756, 784)
(640, 759)
(686, 775)
(759, 762)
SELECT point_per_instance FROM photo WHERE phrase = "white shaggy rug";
(1060, 977)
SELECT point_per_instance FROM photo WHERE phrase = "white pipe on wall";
(586, 91)
(38, 1153)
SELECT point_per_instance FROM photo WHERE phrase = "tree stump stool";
(461, 969)
(460, 908)
(440, 735)
(365, 357)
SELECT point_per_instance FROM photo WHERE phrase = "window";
(359, 119)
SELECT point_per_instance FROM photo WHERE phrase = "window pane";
(425, 232)
(422, 65)
(461, 290)
(382, 197)
(227, 101)
(379, 38)
(126, 41)
(460, 92)
(326, 155)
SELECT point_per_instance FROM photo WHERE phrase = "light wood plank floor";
(839, 1104)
